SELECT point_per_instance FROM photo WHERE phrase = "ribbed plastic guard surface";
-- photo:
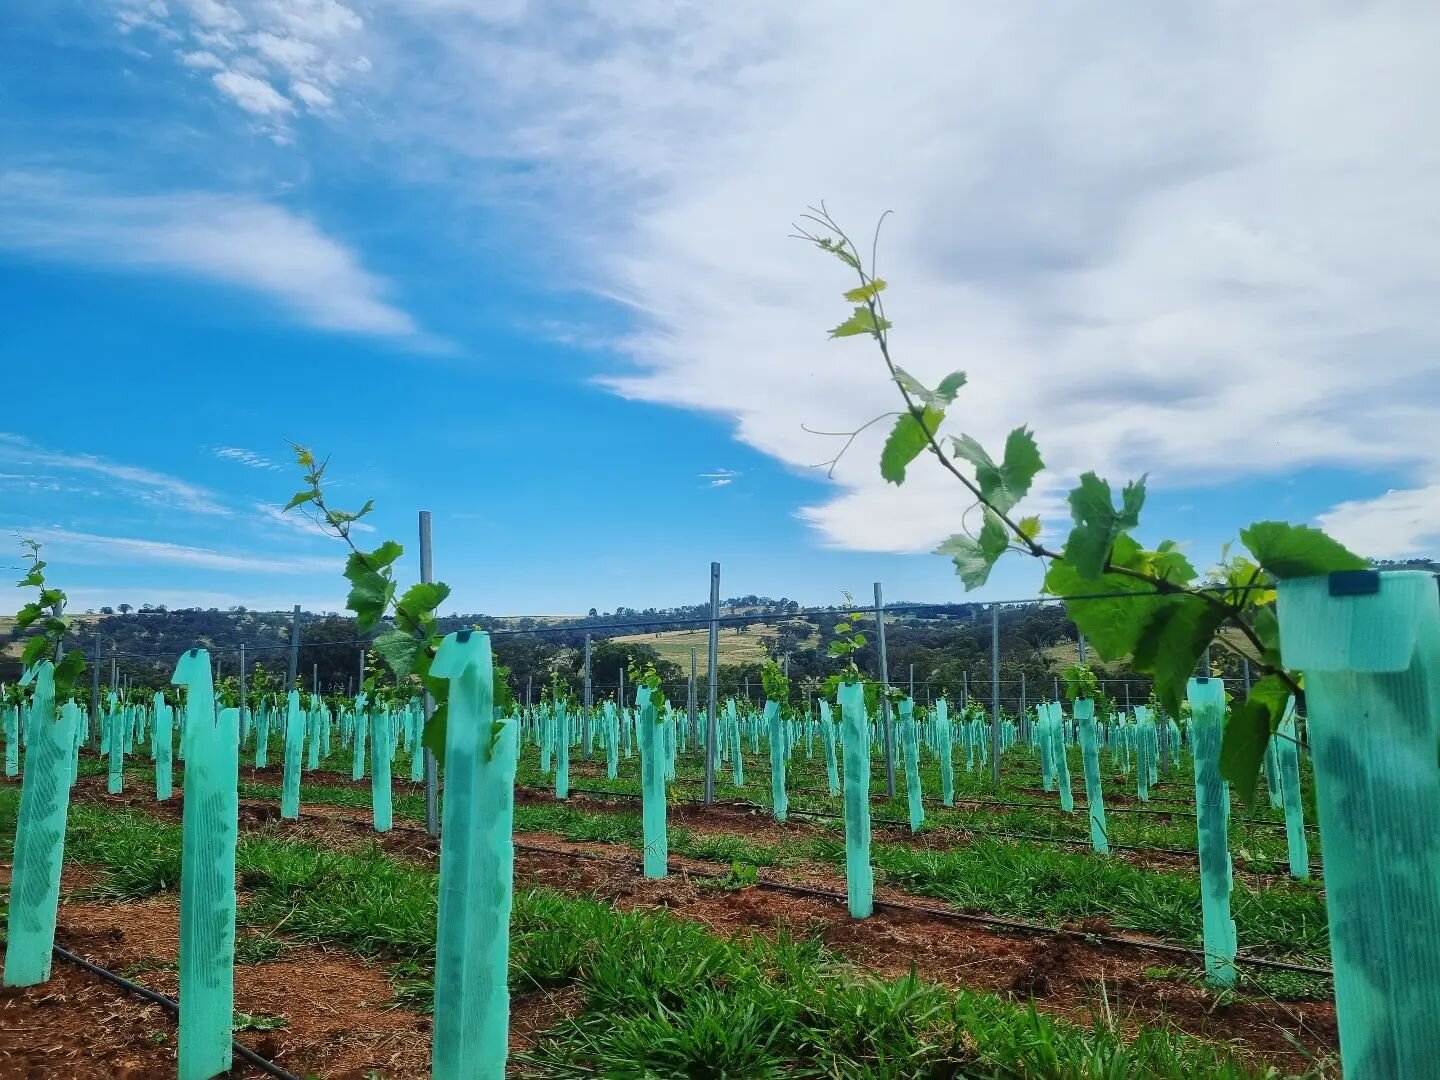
(1372, 685)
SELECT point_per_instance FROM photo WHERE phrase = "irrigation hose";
(1017, 925)
(171, 1006)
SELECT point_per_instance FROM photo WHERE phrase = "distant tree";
(125, 609)
(107, 611)
(592, 614)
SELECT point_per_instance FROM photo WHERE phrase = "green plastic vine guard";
(12, 740)
(162, 740)
(547, 740)
(358, 737)
(1369, 646)
(1142, 770)
(40, 831)
(1047, 743)
(1287, 749)
(207, 874)
(1084, 711)
(735, 739)
(855, 739)
(1272, 775)
(1212, 816)
(910, 746)
(652, 790)
(942, 747)
(562, 752)
(294, 746)
(779, 798)
(262, 739)
(381, 741)
(115, 780)
(612, 741)
(827, 730)
(477, 868)
(1059, 758)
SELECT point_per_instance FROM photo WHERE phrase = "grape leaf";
(862, 321)
(942, 395)
(399, 651)
(300, 498)
(1003, 485)
(1098, 524)
(1242, 749)
(1175, 636)
(974, 558)
(909, 436)
(1290, 551)
(864, 292)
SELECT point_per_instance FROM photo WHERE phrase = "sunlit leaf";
(861, 321)
(1291, 551)
(1098, 523)
(908, 438)
(865, 292)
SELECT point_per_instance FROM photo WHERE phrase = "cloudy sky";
(527, 266)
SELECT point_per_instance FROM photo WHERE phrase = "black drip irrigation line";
(171, 1006)
(1015, 925)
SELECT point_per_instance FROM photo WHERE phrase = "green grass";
(657, 995)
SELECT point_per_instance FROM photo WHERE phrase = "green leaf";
(949, 387)
(27, 615)
(1112, 626)
(369, 596)
(1172, 641)
(36, 649)
(434, 737)
(1098, 524)
(1291, 551)
(1029, 526)
(975, 558)
(1002, 485)
(399, 650)
(908, 438)
(378, 559)
(938, 398)
(67, 671)
(35, 579)
(843, 628)
(1169, 562)
(865, 292)
(1266, 625)
(859, 641)
(1242, 750)
(839, 648)
(300, 498)
(424, 597)
(862, 321)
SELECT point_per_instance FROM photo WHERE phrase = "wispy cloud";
(235, 240)
(296, 522)
(1167, 239)
(91, 549)
(720, 477)
(1167, 244)
(144, 483)
(245, 457)
(1395, 525)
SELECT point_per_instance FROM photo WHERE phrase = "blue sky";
(526, 266)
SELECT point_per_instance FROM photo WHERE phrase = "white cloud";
(237, 240)
(145, 484)
(1198, 241)
(1396, 525)
(91, 549)
(721, 477)
(202, 59)
(251, 94)
(245, 457)
(214, 15)
(312, 95)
